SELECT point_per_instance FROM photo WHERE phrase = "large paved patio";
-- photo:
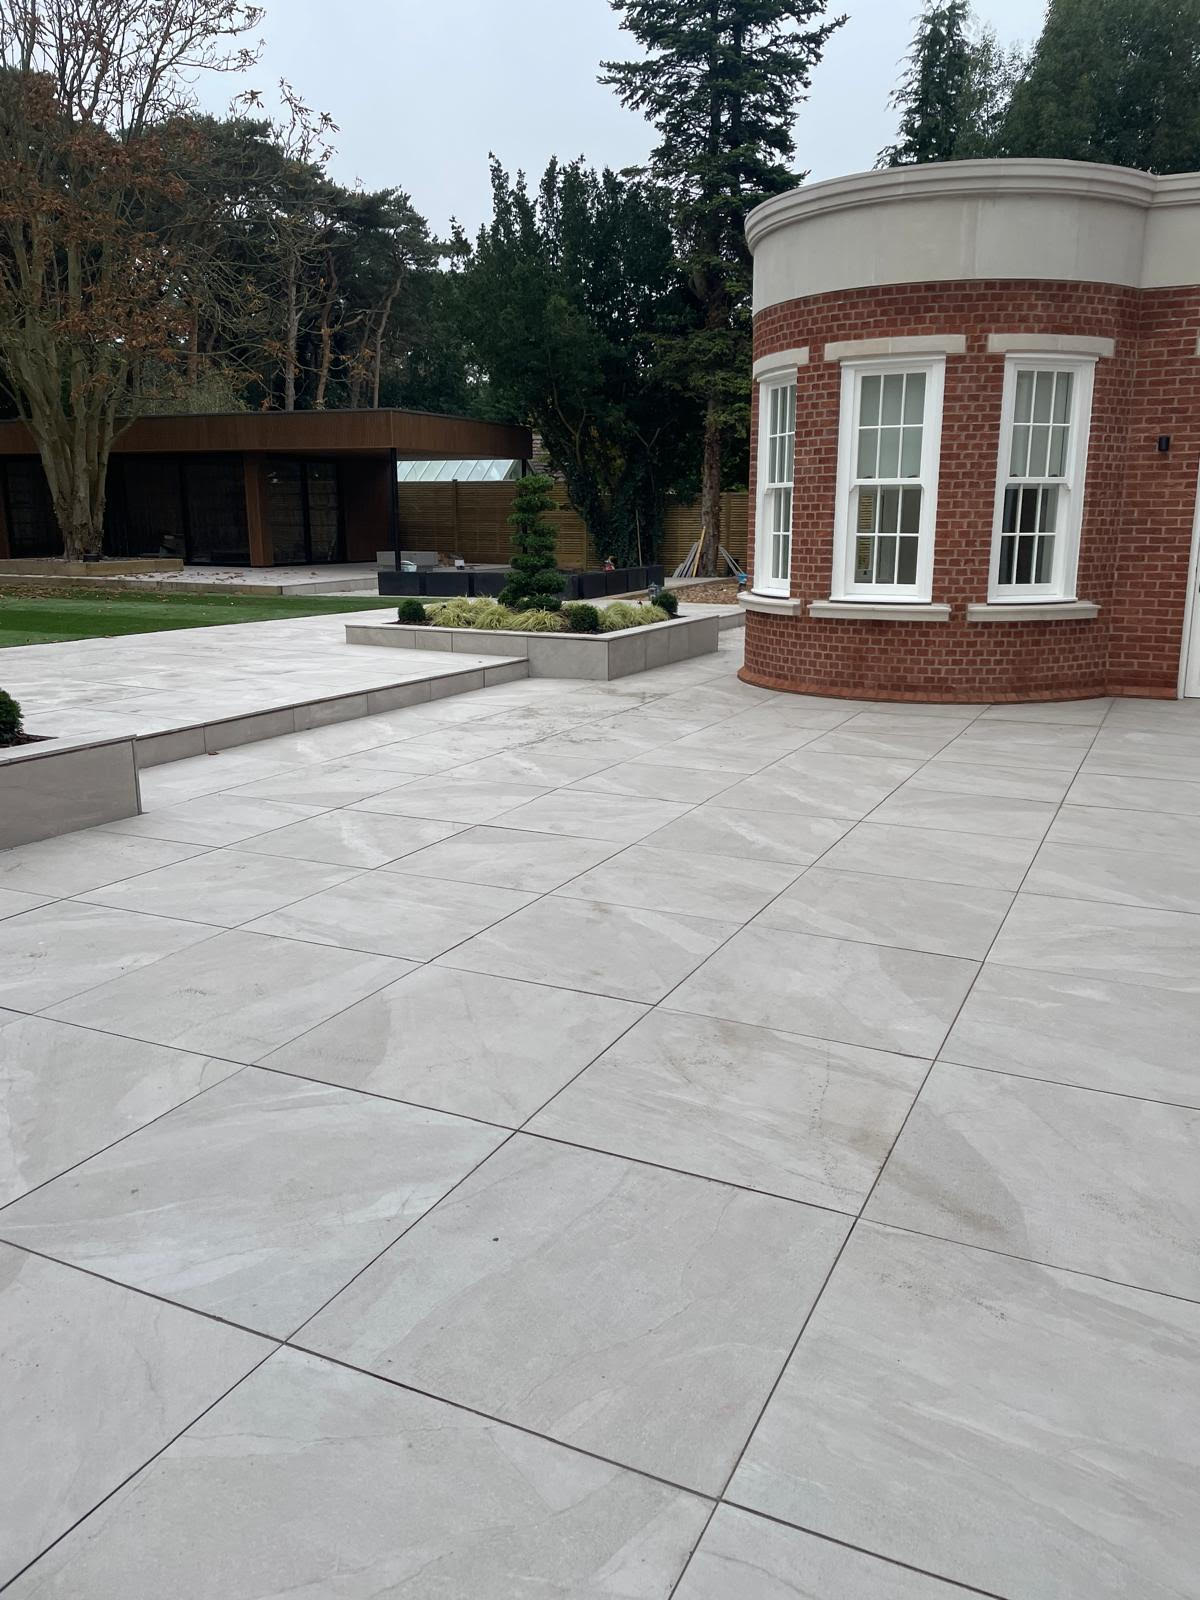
(635, 1140)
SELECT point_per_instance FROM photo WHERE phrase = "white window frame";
(766, 580)
(853, 372)
(1072, 484)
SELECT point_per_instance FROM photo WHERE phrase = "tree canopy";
(1115, 81)
(566, 302)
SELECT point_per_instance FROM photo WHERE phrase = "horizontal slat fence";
(470, 520)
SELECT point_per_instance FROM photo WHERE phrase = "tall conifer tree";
(721, 82)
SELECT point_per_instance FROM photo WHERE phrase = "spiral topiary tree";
(535, 583)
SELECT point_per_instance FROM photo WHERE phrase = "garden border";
(597, 656)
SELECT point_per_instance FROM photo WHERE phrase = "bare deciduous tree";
(88, 290)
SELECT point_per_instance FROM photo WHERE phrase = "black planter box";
(441, 582)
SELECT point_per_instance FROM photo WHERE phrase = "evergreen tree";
(721, 81)
(563, 308)
(1115, 81)
(955, 91)
(535, 583)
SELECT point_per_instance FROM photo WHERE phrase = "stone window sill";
(775, 605)
(1043, 611)
(880, 610)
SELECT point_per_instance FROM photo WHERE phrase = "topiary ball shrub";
(11, 727)
(412, 612)
(667, 600)
(582, 618)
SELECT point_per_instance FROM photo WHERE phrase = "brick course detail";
(1138, 510)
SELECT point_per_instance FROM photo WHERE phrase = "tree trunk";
(291, 353)
(326, 332)
(378, 364)
(710, 494)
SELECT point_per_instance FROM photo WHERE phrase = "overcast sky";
(423, 89)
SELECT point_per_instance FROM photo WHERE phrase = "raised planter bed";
(554, 655)
(439, 582)
(53, 786)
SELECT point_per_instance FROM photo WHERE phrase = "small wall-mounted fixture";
(1164, 443)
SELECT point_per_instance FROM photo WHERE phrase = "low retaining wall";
(558, 655)
(58, 785)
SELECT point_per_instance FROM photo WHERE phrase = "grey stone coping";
(556, 655)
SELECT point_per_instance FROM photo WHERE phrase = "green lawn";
(28, 619)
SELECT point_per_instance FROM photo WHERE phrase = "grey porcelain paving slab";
(461, 1041)
(335, 783)
(694, 885)
(59, 950)
(1028, 1431)
(823, 786)
(309, 1479)
(973, 860)
(908, 710)
(237, 995)
(728, 751)
(67, 1092)
(1094, 1182)
(94, 1380)
(1094, 939)
(949, 722)
(1125, 877)
(76, 862)
(690, 785)
(215, 819)
(256, 1201)
(352, 838)
(623, 951)
(1004, 818)
(942, 918)
(394, 915)
(987, 751)
(507, 858)
(1103, 827)
(750, 1558)
(636, 1313)
(14, 901)
(955, 775)
(751, 835)
(907, 743)
(222, 887)
(530, 765)
(621, 818)
(1024, 744)
(796, 1117)
(1142, 754)
(451, 800)
(1086, 1031)
(864, 994)
(172, 783)
(1087, 713)
(1095, 788)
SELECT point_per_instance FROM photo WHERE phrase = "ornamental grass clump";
(490, 615)
(535, 583)
(621, 614)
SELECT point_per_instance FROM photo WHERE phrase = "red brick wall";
(1137, 517)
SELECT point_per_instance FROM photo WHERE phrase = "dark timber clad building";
(248, 488)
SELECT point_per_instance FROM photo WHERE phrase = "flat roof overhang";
(413, 435)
